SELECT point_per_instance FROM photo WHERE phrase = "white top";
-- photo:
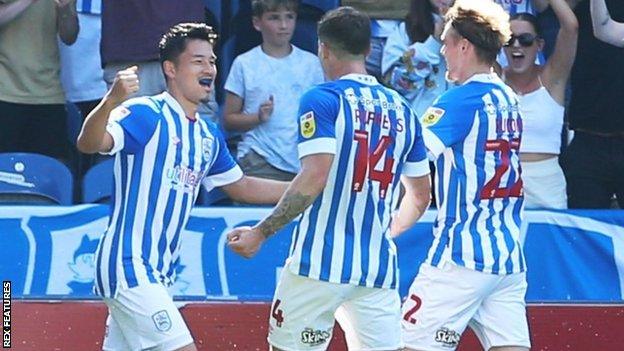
(81, 68)
(255, 76)
(542, 119)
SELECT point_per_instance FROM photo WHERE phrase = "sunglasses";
(525, 39)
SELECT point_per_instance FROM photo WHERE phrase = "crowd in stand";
(564, 61)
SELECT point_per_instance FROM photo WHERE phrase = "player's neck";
(189, 107)
(480, 68)
(347, 67)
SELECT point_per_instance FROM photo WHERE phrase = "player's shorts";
(144, 317)
(443, 301)
(303, 312)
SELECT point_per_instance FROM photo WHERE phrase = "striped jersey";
(161, 160)
(474, 133)
(343, 237)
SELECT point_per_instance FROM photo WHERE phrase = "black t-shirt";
(597, 101)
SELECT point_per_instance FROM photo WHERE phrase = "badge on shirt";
(432, 116)
(119, 113)
(307, 124)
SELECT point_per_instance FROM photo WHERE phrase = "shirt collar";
(483, 78)
(362, 78)
(175, 105)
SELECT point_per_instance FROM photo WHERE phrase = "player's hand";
(125, 84)
(245, 241)
(265, 110)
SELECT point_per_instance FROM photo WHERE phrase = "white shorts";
(144, 317)
(443, 301)
(303, 312)
(544, 185)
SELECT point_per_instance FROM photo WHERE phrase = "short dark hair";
(346, 29)
(173, 43)
(527, 17)
(483, 23)
(259, 7)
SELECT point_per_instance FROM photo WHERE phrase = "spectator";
(82, 77)
(523, 6)
(131, 30)
(385, 17)
(32, 104)
(541, 90)
(594, 161)
(605, 28)
(412, 63)
(263, 91)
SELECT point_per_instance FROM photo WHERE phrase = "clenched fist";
(125, 84)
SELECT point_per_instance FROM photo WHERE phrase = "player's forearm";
(92, 133)
(410, 211)
(241, 122)
(9, 11)
(257, 191)
(605, 28)
(300, 194)
(67, 22)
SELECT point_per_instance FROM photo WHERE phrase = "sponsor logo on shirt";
(307, 124)
(183, 178)
(432, 116)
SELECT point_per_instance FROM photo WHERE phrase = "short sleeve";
(447, 122)
(417, 164)
(224, 169)
(318, 110)
(131, 126)
(235, 82)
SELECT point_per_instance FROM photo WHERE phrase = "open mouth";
(205, 82)
(517, 56)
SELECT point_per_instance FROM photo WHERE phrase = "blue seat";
(97, 184)
(34, 178)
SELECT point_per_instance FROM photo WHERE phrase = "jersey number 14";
(365, 162)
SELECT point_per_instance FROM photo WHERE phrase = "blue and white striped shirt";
(161, 159)
(517, 6)
(474, 131)
(375, 137)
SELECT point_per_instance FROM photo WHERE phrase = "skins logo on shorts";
(432, 116)
(313, 337)
(448, 338)
(162, 321)
(307, 124)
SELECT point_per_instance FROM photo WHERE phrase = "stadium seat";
(35, 179)
(97, 184)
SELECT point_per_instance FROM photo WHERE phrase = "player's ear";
(169, 69)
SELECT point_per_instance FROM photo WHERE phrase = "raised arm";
(67, 21)
(301, 193)
(605, 28)
(9, 11)
(93, 137)
(559, 65)
(234, 118)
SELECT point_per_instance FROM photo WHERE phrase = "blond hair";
(483, 23)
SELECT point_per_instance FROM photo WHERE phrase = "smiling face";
(277, 27)
(521, 51)
(193, 72)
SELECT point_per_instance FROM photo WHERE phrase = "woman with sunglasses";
(541, 90)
